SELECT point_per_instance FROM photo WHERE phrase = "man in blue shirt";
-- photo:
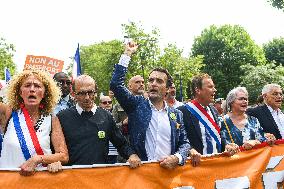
(66, 100)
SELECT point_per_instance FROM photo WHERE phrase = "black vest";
(81, 136)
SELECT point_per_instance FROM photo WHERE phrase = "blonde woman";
(29, 127)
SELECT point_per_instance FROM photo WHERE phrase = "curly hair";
(51, 95)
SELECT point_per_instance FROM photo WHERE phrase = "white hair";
(267, 88)
(231, 97)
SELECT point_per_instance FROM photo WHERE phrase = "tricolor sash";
(210, 125)
(26, 149)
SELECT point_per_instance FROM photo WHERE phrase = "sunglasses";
(84, 93)
(62, 82)
(106, 102)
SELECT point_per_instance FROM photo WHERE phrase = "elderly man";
(269, 115)
(156, 130)
(66, 100)
(171, 97)
(88, 129)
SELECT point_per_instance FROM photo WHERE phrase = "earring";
(22, 105)
(41, 106)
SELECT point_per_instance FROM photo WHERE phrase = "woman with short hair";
(239, 128)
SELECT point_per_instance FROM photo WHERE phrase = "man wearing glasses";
(269, 115)
(66, 100)
(106, 103)
(88, 128)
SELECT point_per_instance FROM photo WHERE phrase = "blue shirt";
(63, 104)
(251, 131)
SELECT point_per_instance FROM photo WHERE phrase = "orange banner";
(43, 63)
(254, 169)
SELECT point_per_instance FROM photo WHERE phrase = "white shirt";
(278, 117)
(12, 155)
(177, 104)
(158, 134)
(62, 104)
(80, 110)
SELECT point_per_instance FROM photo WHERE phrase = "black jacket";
(265, 119)
(192, 127)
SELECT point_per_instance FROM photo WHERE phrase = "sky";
(54, 28)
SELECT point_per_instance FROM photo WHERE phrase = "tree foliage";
(181, 68)
(279, 4)
(144, 60)
(6, 57)
(274, 51)
(97, 60)
(225, 50)
(150, 56)
(256, 77)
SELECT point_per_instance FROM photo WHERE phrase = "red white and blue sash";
(25, 131)
(210, 125)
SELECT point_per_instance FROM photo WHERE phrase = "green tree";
(225, 50)
(6, 57)
(181, 68)
(274, 51)
(97, 60)
(170, 57)
(144, 60)
(279, 4)
(255, 77)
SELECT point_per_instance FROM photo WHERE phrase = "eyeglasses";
(62, 82)
(276, 94)
(106, 102)
(84, 93)
(243, 98)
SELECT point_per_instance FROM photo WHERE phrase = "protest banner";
(43, 63)
(254, 169)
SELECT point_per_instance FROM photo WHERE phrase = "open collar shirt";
(158, 134)
(278, 117)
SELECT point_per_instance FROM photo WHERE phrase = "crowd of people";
(54, 121)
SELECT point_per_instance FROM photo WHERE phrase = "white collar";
(80, 110)
(272, 110)
(164, 108)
